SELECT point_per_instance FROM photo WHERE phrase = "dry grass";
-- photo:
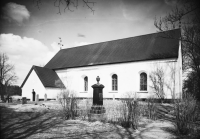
(44, 121)
(31, 121)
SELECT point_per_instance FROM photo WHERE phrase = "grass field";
(41, 121)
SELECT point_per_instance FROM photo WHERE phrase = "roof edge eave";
(172, 58)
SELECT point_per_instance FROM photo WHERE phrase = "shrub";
(112, 110)
(130, 114)
(84, 110)
(130, 111)
(151, 108)
(186, 114)
(69, 104)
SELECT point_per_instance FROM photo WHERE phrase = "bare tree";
(163, 80)
(157, 79)
(171, 83)
(190, 85)
(68, 4)
(186, 16)
(7, 73)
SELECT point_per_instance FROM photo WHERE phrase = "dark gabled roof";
(48, 77)
(146, 47)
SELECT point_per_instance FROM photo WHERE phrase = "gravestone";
(37, 98)
(24, 101)
(33, 93)
(98, 93)
(97, 110)
(45, 97)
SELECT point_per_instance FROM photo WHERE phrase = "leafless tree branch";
(68, 4)
(187, 18)
(157, 79)
(7, 74)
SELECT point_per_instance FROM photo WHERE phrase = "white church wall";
(128, 78)
(169, 68)
(33, 82)
(179, 81)
(52, 93)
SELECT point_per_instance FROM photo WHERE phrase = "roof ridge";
(143, 47)
(43, 67)
(119, 39)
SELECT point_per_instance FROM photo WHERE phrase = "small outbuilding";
(41, 81)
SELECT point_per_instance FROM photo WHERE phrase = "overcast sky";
(30, 36)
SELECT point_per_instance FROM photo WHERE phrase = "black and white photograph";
(99, 69)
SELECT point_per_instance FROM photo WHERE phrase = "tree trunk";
(198, 91)
(2, 90)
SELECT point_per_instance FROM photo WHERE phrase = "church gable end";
(47, 76)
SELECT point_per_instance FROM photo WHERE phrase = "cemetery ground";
(45, 120)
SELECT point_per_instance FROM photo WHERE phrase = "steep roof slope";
(146, 47)
(48, 77)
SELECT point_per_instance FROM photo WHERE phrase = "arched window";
(143, 81)
(114, 82)
(86, 83)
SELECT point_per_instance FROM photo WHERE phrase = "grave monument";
(97, 107)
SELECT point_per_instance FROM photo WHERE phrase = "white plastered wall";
(52, 93)
(33, 82)
(128, 78)
(179, 72)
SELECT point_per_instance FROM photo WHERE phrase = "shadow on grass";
(116, 132)
(194, 135)
(20, 125)
(123, 132)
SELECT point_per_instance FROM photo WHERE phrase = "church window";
(143, 81)
(86, 83)
(114, 82)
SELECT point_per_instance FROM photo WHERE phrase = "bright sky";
(30, 36)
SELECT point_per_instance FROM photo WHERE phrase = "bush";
(130, 111)
(151, 108)
(129, 114)
(84, 111)
(69, 104)
(186, 114)
(113, 110)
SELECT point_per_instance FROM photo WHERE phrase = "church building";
(124, 66)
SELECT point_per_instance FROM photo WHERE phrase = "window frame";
(85, 83)
(114, 84)
(143, 82)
